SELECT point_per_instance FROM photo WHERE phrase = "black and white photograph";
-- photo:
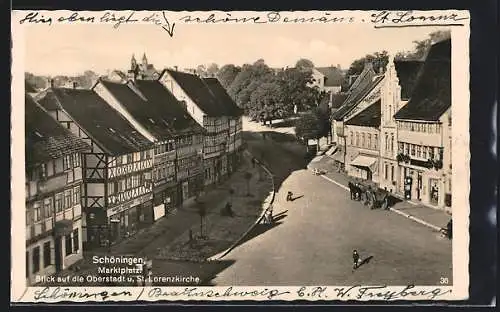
(240, 155)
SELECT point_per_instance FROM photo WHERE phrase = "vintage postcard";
(299, 155)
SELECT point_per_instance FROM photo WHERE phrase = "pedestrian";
(289, 196)
(355, 258)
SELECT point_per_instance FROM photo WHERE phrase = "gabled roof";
(198, 90)
(357, 95)
(369, 117)
(338, 99)
(407, 72)
(333, 76)
(45, 138)
(111, 131)
(432, 94)
(230, 107)
(144, 112)
(167, 106)
(29, 88)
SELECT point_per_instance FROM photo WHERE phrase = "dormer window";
(151, 120)
(112, 130)
(38, 134)
(184, 104)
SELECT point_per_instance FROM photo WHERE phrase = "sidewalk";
(430, 217)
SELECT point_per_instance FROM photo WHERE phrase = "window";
(375, 141)
(419, 151)
(76, 160)
(46, 254)
(351, 135)
(130, 158)
(35, 257)
(386, 142)
(424, 152)
(37, 211)
(412, 149)
(386, 171)
(362, 139)
(76, 243)
(369, 140)
(43, 171)
(392, 172)
(68, 244)
(357, 139)
(48, 210)
(118, 160)
(59, 202)
(400, 147)
(76, 195)
(431, 152)
(68, 202)
(392, 142)
(67, 162)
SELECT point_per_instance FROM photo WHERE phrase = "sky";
(63, 49)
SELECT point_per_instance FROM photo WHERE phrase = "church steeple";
(133, 63)
(144, 59)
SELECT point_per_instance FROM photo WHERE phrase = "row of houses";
(103, 163)
(394, 127)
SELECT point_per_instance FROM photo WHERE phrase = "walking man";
(289, 196)
(355, 258)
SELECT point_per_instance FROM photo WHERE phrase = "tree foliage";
(86, 80)
(308, 126)
(304, 64)
(421, 47)
(227, 73)
(266, 95)
(377, 59)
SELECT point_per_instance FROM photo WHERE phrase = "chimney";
(75, 84)
(176, 68)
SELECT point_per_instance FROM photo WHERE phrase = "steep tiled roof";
(230, 108)
(338, 99)
(46, 139)
(167, 106)
(144, 112)
(407, 72)
(113, 133)
(29, 88)
(357, 95)
(369, 117)
(333, 76)
(432, 94)
(199, 92)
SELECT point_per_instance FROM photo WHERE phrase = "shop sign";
(125, 206)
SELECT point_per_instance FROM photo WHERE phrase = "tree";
(422, 47)
(304, 64)
(202, 212)
(308, 127)
(378, 60)
(227, 74)
(212, 70)
(201, 70)
(248, 177)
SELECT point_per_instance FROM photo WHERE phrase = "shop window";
(76, 243)
(68, 244)
(35, 257)
(46, 254)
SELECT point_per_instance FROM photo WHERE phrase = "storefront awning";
(363, 161)
(331, 151)
(339, 154)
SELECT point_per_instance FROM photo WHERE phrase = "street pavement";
(313, 241)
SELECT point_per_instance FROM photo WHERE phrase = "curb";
(236, 243)
(435, 228)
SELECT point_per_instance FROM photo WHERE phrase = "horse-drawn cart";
(369, 194)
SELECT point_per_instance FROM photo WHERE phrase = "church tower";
(144, 61)
(133, 63)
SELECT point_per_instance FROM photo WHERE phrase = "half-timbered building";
(207, 110)
(117, 193)
(234, 114)
(424, 132)
(53, 188)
